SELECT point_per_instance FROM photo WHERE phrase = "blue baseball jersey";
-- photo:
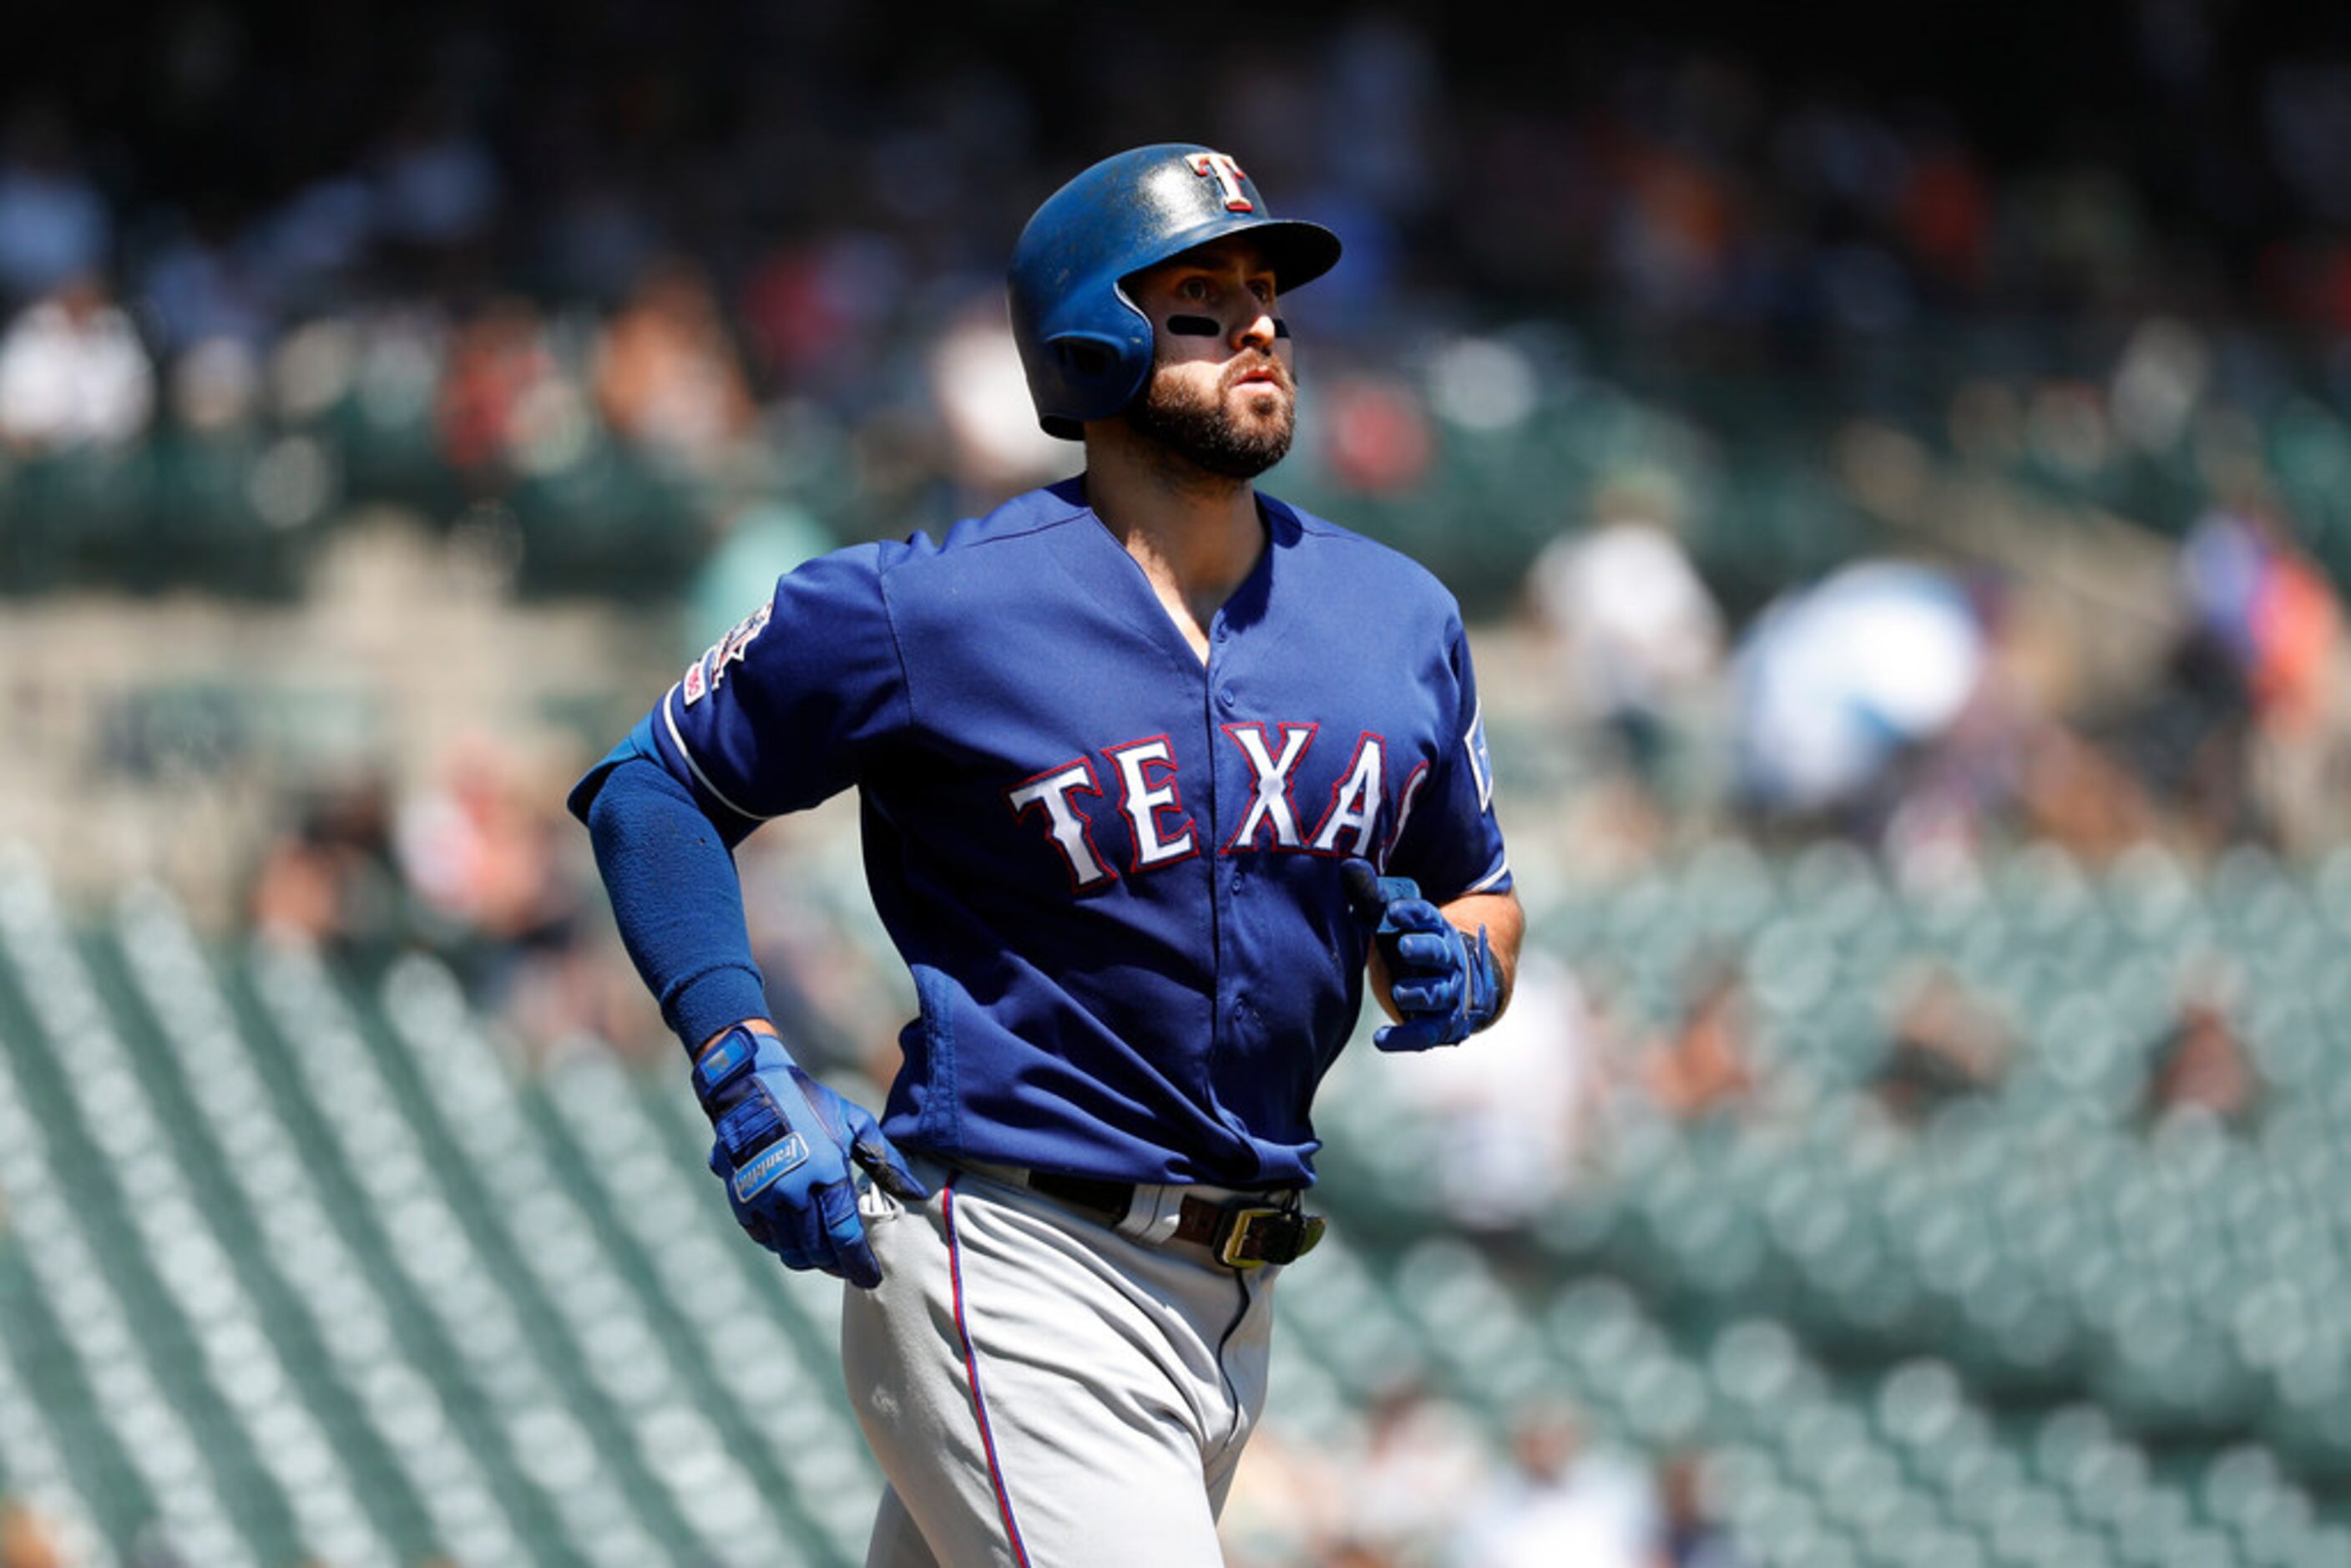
(1113, 869)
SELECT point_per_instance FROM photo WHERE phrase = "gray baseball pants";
(1044, 1391)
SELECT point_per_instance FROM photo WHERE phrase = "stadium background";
(1896, 463)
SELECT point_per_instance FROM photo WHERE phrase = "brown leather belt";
(1240, 1234)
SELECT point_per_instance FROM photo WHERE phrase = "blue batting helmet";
(1086, 347)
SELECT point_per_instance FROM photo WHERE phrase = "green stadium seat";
(279, 1485)
(1943, 1548)
(520, 1419)
(1956, 1344)
(1757, 1372)
(761, 1384)
(1351, 1325)
(142, 1428)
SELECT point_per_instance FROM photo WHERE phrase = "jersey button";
(1225, 696)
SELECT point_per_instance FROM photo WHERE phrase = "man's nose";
(1257, 330)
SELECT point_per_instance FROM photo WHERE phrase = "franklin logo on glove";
(785, 1149)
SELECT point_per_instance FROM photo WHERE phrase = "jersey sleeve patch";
(1481, 766)
(706, 674)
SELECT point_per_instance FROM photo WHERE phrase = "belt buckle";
(1293, 1234)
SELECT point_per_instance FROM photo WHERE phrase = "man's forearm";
(677, 900)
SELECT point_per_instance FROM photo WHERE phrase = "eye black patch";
(1280, 328)
(1194, 326)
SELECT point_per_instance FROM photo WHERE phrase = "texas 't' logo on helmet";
(1227, 175)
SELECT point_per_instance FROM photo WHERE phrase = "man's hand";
(785, 1146)
(1444, 987)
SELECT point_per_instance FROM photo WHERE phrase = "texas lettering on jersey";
(1140, 783)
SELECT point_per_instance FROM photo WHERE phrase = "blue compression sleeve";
(678, 901)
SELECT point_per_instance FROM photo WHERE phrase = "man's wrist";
(713, 1002)
(756, 1025)
(727, 1065)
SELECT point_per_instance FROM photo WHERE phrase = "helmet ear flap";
(1085, 358)
(1100, 373)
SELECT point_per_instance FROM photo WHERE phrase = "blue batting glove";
(785, 1149)
(1446, 987)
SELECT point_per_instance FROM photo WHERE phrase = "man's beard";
(1207, 434)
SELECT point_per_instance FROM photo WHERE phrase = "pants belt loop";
(1153, 1216)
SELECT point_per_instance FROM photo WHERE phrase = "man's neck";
(1196, 534)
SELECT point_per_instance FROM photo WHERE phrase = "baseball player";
(1154, 769)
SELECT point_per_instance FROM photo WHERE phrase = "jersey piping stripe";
(670, 719)
(1490, 879)
(971, 1373)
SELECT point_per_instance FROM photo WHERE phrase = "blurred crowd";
(744, 242)
(1421, 1486)
(1586, 1063)
(688, 231)
(756, 249)
(1937, 713)
(803, 253)
(474, 858)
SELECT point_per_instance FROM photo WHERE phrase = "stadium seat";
(392, 1289)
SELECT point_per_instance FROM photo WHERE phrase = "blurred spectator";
(1836, 683)
(309, 250)
(1560, 1502)
(1946, 795)
(73, 373)
(1701, 1069)
(1418, 1468)
(2192, 738)
(1945, 214)
(494, 883)
(436, 194)
(666, 375)
(1944, 1045)
(568, 987)
(499, 361)
(2200, 1065)
(481, 847)
(1376, 439)
(1914, 710)
(331, 879)
(25, 1539)
(2083, 799)
(1689, 1535)
(812, 313)
(1287, 1506)
(1519, 1117)
(2244, 733)
(1348, 1553)
(55, 224)
(216, 385)
(1640, 636)
(995, 445)
(1671, 241)
(200, 290)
